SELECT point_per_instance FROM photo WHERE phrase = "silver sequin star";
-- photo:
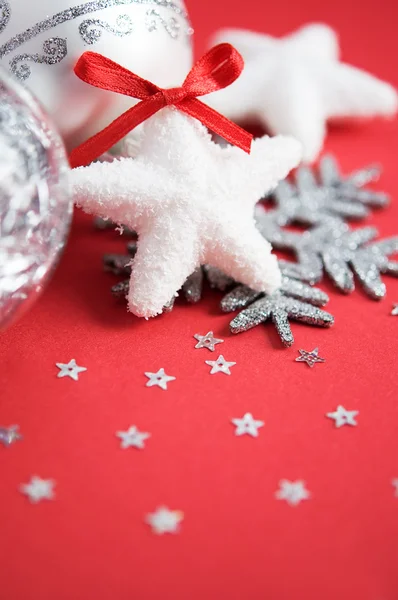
(394, 311)
(343, 417)
(207, 341)
(247, 424)
(38, 489)
(160, 379)
(132, 438)
(71, 369)
(292, 491)
(164, 520)
(311, 358)
(220, 365)
(9, 435)
(395, 485)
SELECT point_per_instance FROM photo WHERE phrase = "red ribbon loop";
(217, 69)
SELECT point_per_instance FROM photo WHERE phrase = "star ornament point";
(247, 425)
(341, 416)
(161, 379)
(395, 485)
(394, 310)
(70, 369)
(220, 365)
(207, 341)
(292, 491)
(132, 438)
(311, 358)
(38, 489)
(164, 520)
(191, 202)
(296, 84)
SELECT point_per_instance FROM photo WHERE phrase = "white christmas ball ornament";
(41, 40)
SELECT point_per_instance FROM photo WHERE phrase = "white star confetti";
(247, 425)
(220, 365)
(395, 485)
(132, 438)
(160, 379)
(71, 369)
(184, 219)
(38, 489)
(207, 341)
(292, 491)
(311, 358)
(394, 311)
(164, 520)
(296, 84)
(9, 435)
(343, 417)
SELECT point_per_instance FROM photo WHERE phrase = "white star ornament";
(191, 202)
(296, 84)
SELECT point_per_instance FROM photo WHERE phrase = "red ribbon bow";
(217, 69)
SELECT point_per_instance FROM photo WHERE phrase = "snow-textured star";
(184, 219)
(292, 491)
(341, 416)
(132, 438)
(207, 341)
(247, 424)
(9, 435)
(38, 489)
(70, 369)
(220, 365)
(311, 358)
(395, 485)
(296, 84)
(160, 379)
(164, 520)
(394, 310)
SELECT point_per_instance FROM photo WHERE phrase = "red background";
(237, 541)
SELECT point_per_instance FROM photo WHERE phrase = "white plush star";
(292, 491)
(343, 417)
(220, 365)
(132, 438)
(38, 489)
(296, 84)
(191, 202)
(164, 520)
(207, 341)
(71, 369)
(247, 425)
(160, 379)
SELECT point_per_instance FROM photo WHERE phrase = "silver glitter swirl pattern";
(5, 14)
(35, 207)
(54, 50)
(153, 18)
(91, 30)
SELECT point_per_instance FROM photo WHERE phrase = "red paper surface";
(237, 541)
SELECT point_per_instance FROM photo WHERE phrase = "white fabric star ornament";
(292, 491)
(342, 416)
(220, 365)
(296, 84)
(207, 341)
(247, 425)
(160, 379)
(133, 438)
(38, 489)
(191, 202)
(164, 520)
(71, 369)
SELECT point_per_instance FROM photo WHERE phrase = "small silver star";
(38, 489)
(132, 438)
(394, 311)
(220, 365)
(247, 425)
(160, 378)
(395, 484)
(9, 435)
(164, 520)
(310, 357)
(292, 491)
(343, 416)
(71, 369)
(207, 341)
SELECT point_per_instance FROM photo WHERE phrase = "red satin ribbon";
(217, 69)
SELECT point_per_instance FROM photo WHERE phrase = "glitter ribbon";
(217, 69)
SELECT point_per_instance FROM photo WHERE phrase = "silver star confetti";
(343, 417)
(71, 369)
(9, 435)
(38, 489)
(132, 438)
(220, 365)
(394, 310)
(207, 341)
(164, 520)
(247, 424)
(292, 491)
(160, 379)
(311, 358)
